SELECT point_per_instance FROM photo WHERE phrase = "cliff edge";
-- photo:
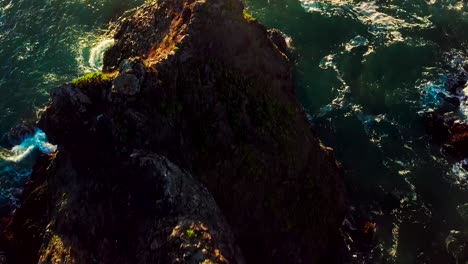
(189, 147)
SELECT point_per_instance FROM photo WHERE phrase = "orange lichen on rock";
(196, 244)
(171, 41)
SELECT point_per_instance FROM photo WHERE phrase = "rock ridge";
(189, 147)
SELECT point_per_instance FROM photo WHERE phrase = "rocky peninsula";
(189, 147)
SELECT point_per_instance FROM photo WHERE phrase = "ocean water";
(366, 73)
(43, 43)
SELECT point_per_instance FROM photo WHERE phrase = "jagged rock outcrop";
(145, 210)
(201, 83)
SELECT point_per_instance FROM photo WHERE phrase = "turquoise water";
(366, 73)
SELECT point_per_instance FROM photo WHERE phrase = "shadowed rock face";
(201, 83)
(145, 210)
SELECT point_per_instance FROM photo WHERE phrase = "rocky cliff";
(189, 147)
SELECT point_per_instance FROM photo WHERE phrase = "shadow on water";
(362, 71)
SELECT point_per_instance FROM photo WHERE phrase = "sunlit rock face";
(202, 84)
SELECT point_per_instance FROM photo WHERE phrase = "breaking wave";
(38, 141)
(15, 164)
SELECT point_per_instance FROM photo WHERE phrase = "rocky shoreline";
(448, 127)
(189, 147)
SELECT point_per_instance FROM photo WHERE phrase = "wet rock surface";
(457, 246)
(449, 131)
(463, 212)
(184, 104)
(279, 39)
(459, 138)
(448, 126)
(457, 241)
(18, 133)
(447, 122)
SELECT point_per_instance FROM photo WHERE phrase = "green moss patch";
(190, 233)
(248, 16)
(92, 80)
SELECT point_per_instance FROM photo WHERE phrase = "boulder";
(127, 84)
(130, 79)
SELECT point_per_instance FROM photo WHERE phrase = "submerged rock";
(457, 246)
(218, 102)
(459, 138)
(447, 122)
(463, 212)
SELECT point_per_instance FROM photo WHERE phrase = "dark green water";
(43, 43)
(366, 71)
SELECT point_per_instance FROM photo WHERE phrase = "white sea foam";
(358, 41)
(20, 152)
(91, 53)
(97, 53)
(459, 174)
